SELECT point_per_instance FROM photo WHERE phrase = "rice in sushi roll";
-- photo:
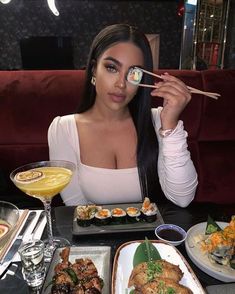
(133, 214)
(102, 217)
(149, 210)
(118, 215)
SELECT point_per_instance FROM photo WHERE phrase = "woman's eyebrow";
(110, 58)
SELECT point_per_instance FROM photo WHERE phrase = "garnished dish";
(220, 244)
(210, 245)
(80, 276)
(79, 270)
(97, 215)
(147, 267)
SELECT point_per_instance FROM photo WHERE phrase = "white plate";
(220, 272)
(123, 265)
(100, 255)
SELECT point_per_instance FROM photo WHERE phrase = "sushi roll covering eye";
(134, 75)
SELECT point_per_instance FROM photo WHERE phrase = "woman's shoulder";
(62, 124)
(65, 119)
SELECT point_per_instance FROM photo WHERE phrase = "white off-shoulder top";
(176, 171)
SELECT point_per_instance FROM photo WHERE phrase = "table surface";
(62, 220)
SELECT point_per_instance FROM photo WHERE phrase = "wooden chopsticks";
(191, 89)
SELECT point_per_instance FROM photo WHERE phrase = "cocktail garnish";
(134, 75)
(29, 176)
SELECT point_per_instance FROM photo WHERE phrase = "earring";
(93, 80)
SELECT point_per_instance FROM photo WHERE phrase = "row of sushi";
(94, 214)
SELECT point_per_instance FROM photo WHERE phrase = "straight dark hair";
(140, 106)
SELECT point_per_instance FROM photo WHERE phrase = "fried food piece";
(84, 268)
(60, 289)
(63, 278)
(94, 283)
(147, 271)
(65, 260)
(164, 286)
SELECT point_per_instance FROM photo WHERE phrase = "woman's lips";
(117, 97)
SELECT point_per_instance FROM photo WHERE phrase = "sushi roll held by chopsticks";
(135, 74)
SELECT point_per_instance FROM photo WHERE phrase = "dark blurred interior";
(32, 37)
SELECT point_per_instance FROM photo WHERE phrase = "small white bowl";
(170, 233)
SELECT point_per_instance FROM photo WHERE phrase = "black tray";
(116, 228)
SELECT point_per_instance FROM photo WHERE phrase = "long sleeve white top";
(177, 175)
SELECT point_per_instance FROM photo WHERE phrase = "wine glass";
(43, 180)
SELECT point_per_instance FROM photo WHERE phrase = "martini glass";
(44, 180)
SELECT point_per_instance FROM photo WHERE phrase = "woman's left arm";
(177, 174)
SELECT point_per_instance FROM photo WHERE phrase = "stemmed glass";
(44, 180)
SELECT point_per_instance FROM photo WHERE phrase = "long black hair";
(140, 105)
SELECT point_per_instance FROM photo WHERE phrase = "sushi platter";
(116, 224)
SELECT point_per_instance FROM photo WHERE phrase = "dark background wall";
(82, 20)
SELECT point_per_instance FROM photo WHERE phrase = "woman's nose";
(121, 81)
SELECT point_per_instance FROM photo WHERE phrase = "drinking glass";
(44, 180)
(33, 266)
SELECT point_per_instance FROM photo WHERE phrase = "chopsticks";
(191, 89)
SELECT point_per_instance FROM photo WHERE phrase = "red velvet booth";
(29, 100)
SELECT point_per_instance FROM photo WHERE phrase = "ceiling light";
(5, 1)
(51, 4)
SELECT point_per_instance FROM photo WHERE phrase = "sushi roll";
(149, 210)
(102, 217)
(220, 245)
(133, 214)
(118, 215)
(86, 214)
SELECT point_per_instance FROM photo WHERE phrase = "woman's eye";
(111, 68)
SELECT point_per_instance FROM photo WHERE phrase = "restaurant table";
(62, 221)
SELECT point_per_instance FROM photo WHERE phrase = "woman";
(122, 148)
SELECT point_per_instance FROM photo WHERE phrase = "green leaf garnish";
(145, 252)
(72, 274)
(211, 226)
